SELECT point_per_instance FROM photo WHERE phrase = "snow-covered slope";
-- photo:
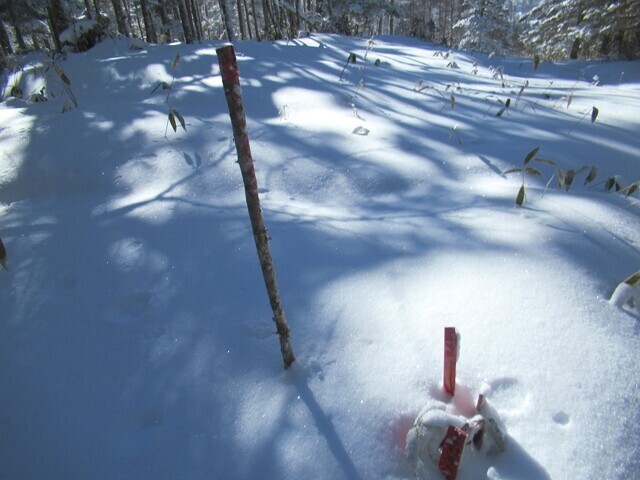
(135, 333)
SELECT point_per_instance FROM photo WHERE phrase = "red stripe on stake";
(450, 359)
(451, 452)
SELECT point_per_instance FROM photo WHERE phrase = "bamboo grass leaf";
(530, 155)
(570, 175)
(633, 279)
(609, 184)
(520, 197)
(561, 177)
(180, 118)
(631, 189)
(593, 173)
(546, 161)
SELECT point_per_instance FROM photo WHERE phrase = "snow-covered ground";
(136, 339)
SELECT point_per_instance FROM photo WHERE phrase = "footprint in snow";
(561, 418)
(131, 308)
(135, 303)
(360, 130)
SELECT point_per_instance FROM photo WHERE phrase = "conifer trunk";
(121, 19)
(226, 18)
(231, 84)
(147, 18)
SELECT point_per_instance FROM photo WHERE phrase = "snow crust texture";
(136, 338)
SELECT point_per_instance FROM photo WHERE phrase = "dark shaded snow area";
(136, 338)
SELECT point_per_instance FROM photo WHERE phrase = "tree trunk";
(147, 18)
(192, 25)
(165, 31)
(5, 42)
(266, 13)
(247, 18)
(243, 34)
(228, 22)
(58, 21)
(121, 19)
(186, 28)
(255, 20)
(129, 14)
(17, 30)
(575, 49)
(197, 20)
(231, 85)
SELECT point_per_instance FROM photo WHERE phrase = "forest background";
(548, 29)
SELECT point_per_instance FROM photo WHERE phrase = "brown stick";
(233, 93)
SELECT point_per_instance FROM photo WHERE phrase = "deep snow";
(136, 338)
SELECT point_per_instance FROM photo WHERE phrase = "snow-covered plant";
(630, 189)
(450, 100)
(454, 133)
(522, 89)
(504, 108)
(173, 113)
(628, 293)
(564, 177)
(546, 95)
(370, 44)
(42, 82)
(69, 98)
(594, 115)
(83, 34)
(525, 170)
(615, 184)
(350, 59)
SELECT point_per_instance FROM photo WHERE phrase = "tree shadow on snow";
(327, 430)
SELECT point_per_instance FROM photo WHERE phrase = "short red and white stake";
(450, 359)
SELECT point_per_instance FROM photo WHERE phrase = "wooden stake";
(450, 359)
(231, 83)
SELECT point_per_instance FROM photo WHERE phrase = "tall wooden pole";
(233, 93)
